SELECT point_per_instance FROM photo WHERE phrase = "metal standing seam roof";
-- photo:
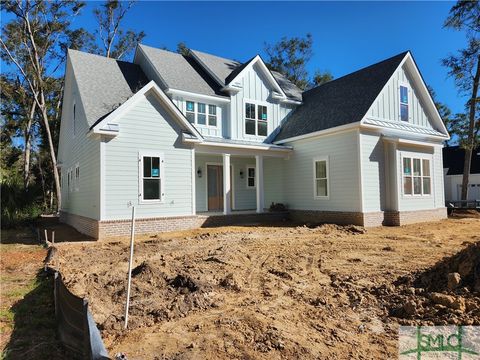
(403, 126)
(104, 84)
(454, 157)
(341, 101)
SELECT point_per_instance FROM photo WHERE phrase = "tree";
(464, 67)
(182, 48)
(445, 113)
(116, 43)
(320, 78)
(290, 57)
(34, 43)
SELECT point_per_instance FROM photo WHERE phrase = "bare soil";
(27, 316)
(310, 292)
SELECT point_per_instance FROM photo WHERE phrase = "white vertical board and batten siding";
(255, 87)
(147, 127)
(344, 182)
(387, 104)
(79, 148)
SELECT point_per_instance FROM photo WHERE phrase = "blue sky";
(347, 35)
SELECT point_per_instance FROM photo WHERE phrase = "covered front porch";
(232, 178)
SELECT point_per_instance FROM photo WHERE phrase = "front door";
(215, 187)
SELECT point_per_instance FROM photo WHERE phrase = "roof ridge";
(100, 56)
(219, 57)
(403, 54)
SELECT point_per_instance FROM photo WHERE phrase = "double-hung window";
(250, 177)
(256, 119)
(403, 103)
(190, 112)
(320, 178)
(212, 115)
(201, 113)
(201, 116)
(152, 178)
(416, 176)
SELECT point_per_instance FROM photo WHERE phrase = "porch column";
(227, 206)
(259, 182)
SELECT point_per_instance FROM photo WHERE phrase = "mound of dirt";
(447, 293)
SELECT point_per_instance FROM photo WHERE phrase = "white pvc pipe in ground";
(130, 262)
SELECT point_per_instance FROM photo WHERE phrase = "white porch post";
(227, 206)
(259, 182)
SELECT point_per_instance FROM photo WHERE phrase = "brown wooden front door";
(215, 187)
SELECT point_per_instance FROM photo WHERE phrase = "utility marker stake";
(130, 261)
(53, 237)
(46, 237)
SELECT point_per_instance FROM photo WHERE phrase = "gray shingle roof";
(103, 83)
(226, 69)
(181, 72)
(220, 67)
(339, 102)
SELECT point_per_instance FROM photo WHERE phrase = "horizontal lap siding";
(147, 127)
(82, 149)
(274, 180)
(342, 150)
(244, 198)
(373, 172)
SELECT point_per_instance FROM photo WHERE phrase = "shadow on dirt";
(34, 334)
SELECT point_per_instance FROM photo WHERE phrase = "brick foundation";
(118, 228)
(334, 217)
(380, 218)
(83, 224)
(397, 218)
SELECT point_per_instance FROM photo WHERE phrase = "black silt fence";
(76, 328)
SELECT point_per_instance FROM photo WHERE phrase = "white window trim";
(412, 156)
(315, 160)
(76, 180)
(195, 112)
(244, 118)
(409, 100)
(255, 177)
(162, 177)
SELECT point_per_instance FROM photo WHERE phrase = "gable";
(423, 116)
(254, 85)
(387, 104)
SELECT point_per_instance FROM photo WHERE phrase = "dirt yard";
(27, 315)
(325, 292)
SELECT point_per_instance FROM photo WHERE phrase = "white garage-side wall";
(76, 148)
(343, 167)
(147, 127)
(453, 184)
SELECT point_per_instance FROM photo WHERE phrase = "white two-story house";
(184, 138)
